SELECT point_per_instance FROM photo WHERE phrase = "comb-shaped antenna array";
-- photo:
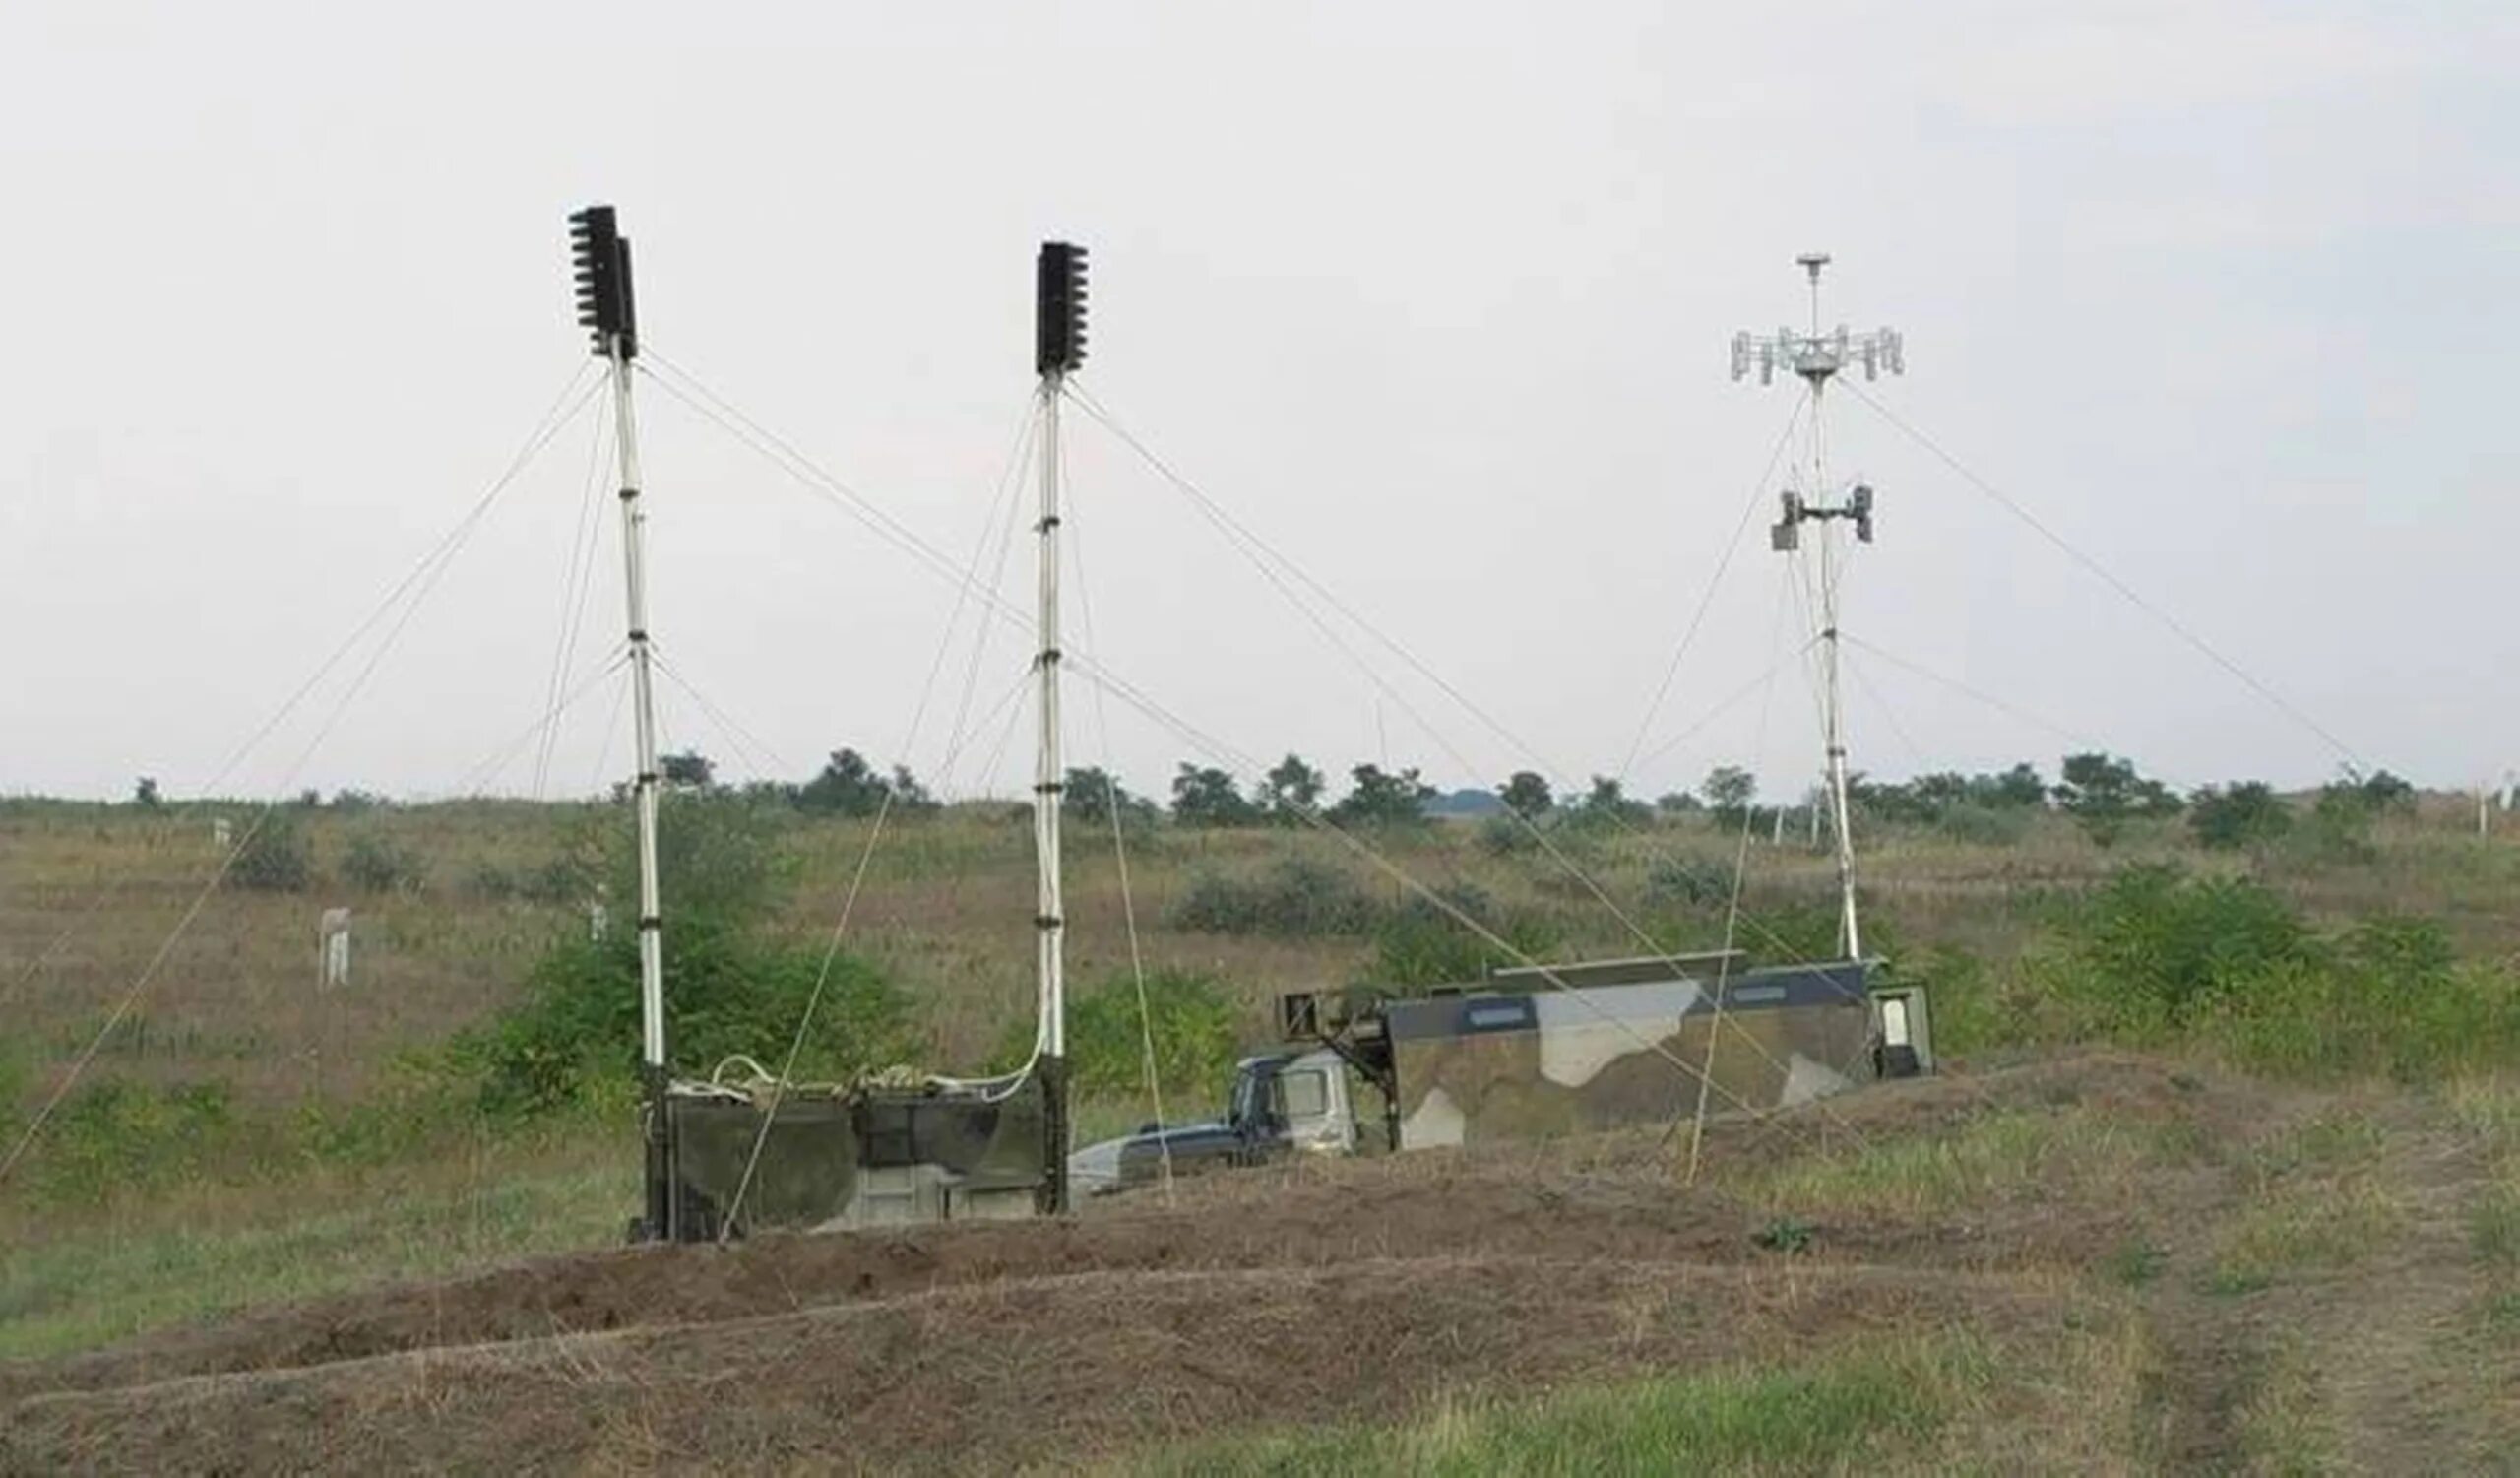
(607, 307)
(1058, 308)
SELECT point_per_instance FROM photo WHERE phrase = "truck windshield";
(1304, 1095)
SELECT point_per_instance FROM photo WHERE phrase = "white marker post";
(334, 950)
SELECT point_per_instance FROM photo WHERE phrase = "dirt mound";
(998, 1376)
(1303, 1292)
(1614, 1197)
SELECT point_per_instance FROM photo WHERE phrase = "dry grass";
(2157, 1202)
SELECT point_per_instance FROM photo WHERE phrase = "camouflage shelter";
(1518, 1064)
(858, 1156)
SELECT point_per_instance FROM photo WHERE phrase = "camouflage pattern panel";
(868, 1156)
(1489, 1067)
(984, 1142)
(808, 1168)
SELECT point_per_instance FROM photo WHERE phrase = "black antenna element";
(1058, 309)
(606, 307)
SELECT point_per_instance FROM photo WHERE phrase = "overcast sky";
(1435, 298)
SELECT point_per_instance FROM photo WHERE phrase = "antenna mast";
(1816, 356)
(1059, 349)
(607, 309)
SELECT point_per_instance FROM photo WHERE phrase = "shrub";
(2231, 965)
(1671, 879)
(1189, 1015)
(274, 856)
(1983, 825)
(377, 863)
(2154, 946)
(1423, 944)
(2246, 814)
(111, 1138)
(1295, 898)
(729, 986)
(2387, 999)
(562, 879)
(574, 1041)
(1503, 836)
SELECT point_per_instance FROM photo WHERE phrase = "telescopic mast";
(607, 309)
(1059, 349)
(1816, 356)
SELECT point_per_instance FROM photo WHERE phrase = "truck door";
(1310, 1105)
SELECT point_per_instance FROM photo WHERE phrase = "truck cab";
(1281, 1103)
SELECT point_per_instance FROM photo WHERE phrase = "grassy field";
(244, 1137)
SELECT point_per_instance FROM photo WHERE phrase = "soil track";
(1300, 1294)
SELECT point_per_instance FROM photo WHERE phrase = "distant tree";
(1383, 797)
(1290, 791)
(1527, 794)
(1677, 803)
(2019, 786)
(2244, 813)
(2369, 796)
(690, 770)
(144, 794)
(1090, 792)
(1890, 800)
(1607, 803)
(2387, 792)
(1208, 797)
(2103, 793)
(847, 786)
(2341, 818)
(761, 793)
(350, 800)
(908, 794)
(310, 798)
(1729, 791)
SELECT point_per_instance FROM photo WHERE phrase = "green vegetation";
(218, 1252)
(2105, 793)
(2247, 813)
(2157, 956)
(1382, 798)
(1424, 943)
(377, 863)
(1297, 898)
(274, 856)
(2000, 1154)
(2370, 938)
(1828, 1414)
(730, 989)
(1189, 1023)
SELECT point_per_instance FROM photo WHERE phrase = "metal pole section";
(651, 993)
(662, 1203)
(1832, 715)
(1048, 795)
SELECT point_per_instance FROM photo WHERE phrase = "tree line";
(2104, 794)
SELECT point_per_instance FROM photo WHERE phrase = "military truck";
(1534, 1052)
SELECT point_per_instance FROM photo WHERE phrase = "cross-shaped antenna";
(1816, 356)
